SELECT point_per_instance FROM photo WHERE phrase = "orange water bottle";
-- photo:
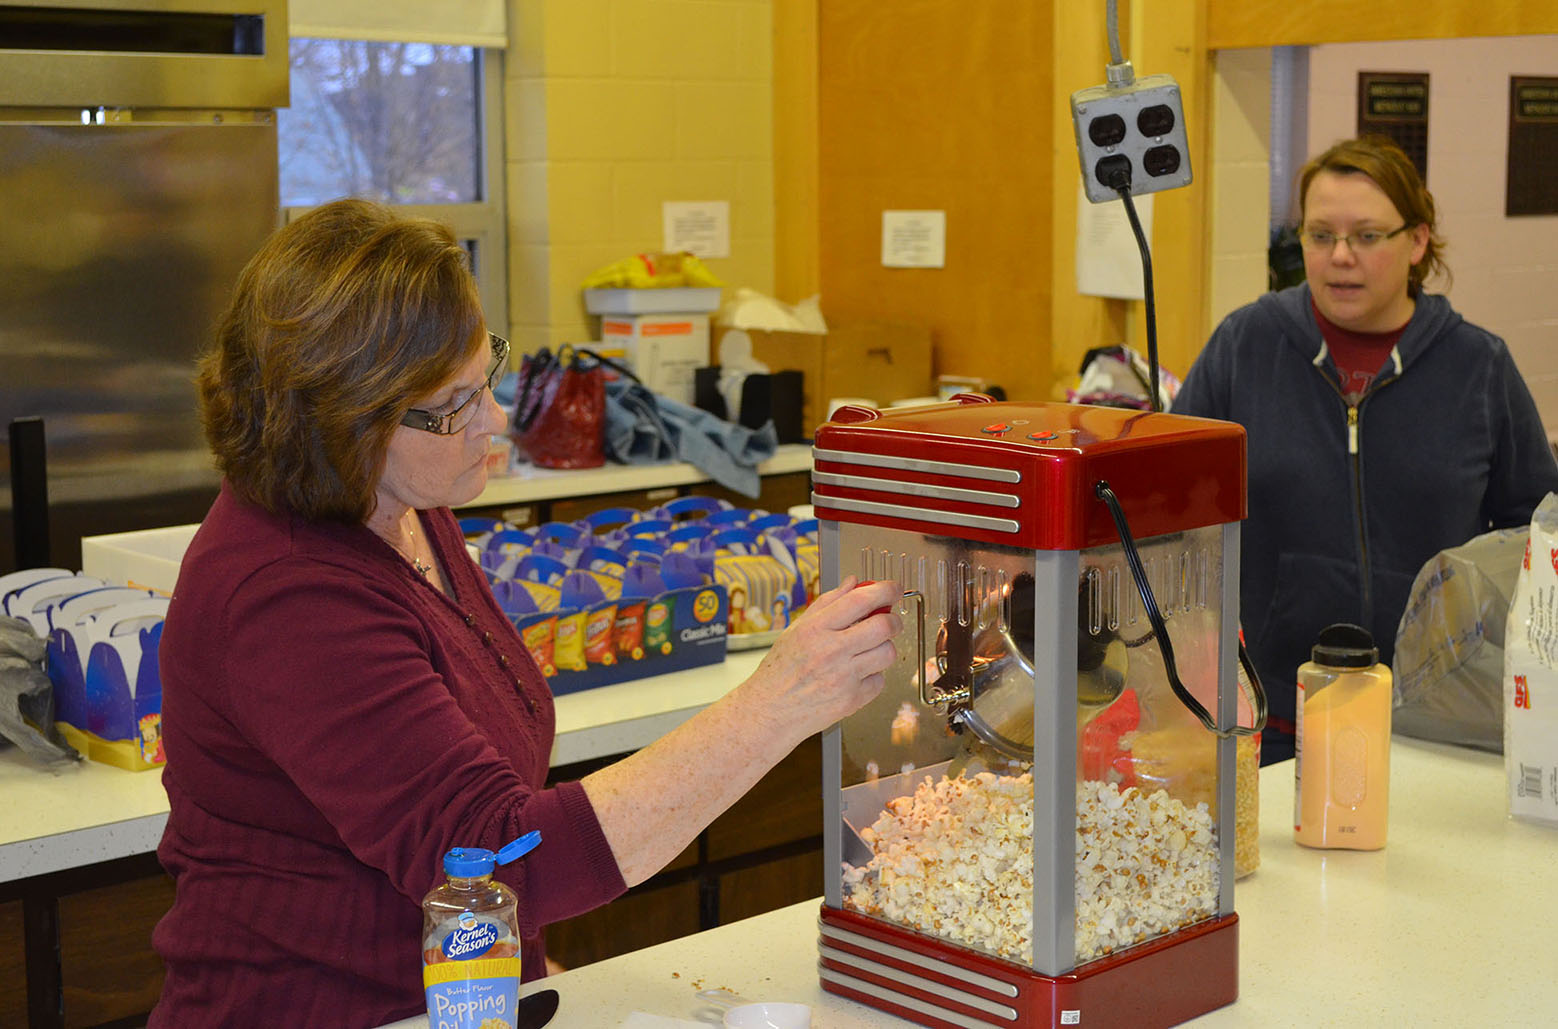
(1342, 769)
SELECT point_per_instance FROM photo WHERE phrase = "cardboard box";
(693, 631)
(664, 350)
(880, 360)
(147, 559)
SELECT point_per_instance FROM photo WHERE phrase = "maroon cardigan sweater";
(333, 725)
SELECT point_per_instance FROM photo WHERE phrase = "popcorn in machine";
(1032, 825)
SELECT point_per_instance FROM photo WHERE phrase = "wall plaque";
(1395, 104)
(1530, 186)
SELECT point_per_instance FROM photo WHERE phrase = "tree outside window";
(394, 122)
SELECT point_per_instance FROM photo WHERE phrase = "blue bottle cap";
(517, 849)
(474, 862)
(468, 862)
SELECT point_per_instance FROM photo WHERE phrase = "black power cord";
(1149, 603)
(1120, 182)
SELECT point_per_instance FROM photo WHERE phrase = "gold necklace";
(416, 562)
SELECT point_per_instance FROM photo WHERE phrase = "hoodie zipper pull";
(1352, 429)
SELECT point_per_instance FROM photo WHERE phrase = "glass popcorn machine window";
(1038, 807)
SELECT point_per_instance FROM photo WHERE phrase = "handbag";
(560, 408)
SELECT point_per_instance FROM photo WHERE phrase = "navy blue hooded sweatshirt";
(1347, 504)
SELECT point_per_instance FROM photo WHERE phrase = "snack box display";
(626, 594)
(102, 643)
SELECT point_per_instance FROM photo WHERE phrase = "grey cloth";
(27, 695)
(643, 427)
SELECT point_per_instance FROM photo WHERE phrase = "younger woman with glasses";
(343, 699)
(1382, 426)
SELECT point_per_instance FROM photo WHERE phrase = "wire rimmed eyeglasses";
(450, 422)
(1363, 239)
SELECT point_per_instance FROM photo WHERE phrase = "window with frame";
(417, 125)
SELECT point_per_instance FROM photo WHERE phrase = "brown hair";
(1383, 161)
(337, 326)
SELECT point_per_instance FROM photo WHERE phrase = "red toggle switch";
(997, 428)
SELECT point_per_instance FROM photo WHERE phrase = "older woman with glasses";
(1383, 427)
(344, 701)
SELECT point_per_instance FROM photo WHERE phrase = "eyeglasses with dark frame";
(455, 421)
(1357, 242)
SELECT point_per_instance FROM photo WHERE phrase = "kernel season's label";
(471, 979)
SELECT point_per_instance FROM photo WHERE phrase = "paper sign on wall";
(1108, 259)
(700, 228)
(914, 239)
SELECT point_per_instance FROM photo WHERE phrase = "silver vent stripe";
(917, 489)
(915, 464)
(903, 1000)
(898, 975)
(942, 966)
(920, 514)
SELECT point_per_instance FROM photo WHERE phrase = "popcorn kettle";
(1070, 636)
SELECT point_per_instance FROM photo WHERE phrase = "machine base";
(1162, 982)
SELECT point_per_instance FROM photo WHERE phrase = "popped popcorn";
(956, 859)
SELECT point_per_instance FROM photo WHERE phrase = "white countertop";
(1455, 922)
(532, 483)
(86, 812)
(74, 814)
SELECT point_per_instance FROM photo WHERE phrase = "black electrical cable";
(1150, 604)
(1120, 183)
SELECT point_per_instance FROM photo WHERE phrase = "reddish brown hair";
(1383, 161)
(341, 322)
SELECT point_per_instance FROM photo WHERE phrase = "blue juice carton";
(470, 941)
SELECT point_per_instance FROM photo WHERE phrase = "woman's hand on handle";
(831, 660)
(828, 663)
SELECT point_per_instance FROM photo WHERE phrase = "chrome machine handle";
(930, 695)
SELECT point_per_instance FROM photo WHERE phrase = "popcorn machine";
(1033, 824)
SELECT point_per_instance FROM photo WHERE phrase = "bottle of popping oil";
(470, 941)
(1342, 774)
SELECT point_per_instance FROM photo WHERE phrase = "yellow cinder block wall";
(614, 107)
(1240, 182)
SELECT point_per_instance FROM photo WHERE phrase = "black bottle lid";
(1344, 645)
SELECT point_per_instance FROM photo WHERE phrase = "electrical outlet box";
(1139, 128)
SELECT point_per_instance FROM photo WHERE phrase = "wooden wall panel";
(1285, 23)
(924, 104)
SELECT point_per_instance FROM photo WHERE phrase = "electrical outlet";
(1138, 128)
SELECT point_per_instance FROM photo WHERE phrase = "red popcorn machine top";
(1033, 824)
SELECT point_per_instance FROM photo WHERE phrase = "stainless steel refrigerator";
(137, 176)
